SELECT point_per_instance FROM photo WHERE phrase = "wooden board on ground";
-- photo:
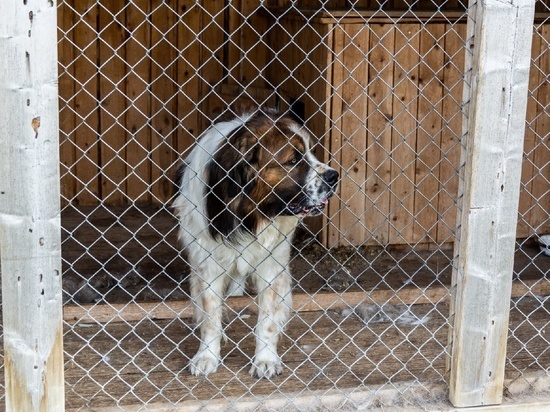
(146, 361)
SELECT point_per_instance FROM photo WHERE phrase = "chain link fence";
(380, 86)
(528, 335)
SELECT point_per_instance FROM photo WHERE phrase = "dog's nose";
(331, 177)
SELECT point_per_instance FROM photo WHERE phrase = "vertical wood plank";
(163, 97)
(380, 113)
(87, 130)
(336, 81)
(314, 77)
(253, 49)
(187, 76)
(526, 199)
(30, 226)
(403, 154)
(352, 124)
(482, 276)
(211, 38)
(112, 101)
(234, 48)
(138, 163)
(540, 189)
(428, 140)
(453, 77)
(67, 89)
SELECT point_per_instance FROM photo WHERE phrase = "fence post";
(482, 276)
(30, 231)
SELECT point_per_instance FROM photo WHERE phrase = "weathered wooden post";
(30, 233)
(500, 35)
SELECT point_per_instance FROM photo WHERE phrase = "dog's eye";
(293, 160)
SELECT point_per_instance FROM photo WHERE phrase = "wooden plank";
(112, 101)
(453, 78)
(428, 141)
(163, 97)
(526, 200)
(302, 302)
(353, 150)
(405, 106)
(234, 48)
(86, 105)
(335, 231)
(30, 234)
(356, 16)
(492, 175)
(245, 50)
(334, 399)
(67, 89)
(539, 218)
(254, 50)
(138, 78)
(305, 78)
(379, 120)
(376, 16)
(190, 92)
(211, 39)
(529, 405)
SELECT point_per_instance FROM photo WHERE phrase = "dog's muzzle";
(314, 203)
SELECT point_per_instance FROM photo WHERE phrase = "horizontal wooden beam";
(357, 16)
(364, 395)
(134, 311)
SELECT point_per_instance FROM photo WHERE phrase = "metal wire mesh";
(380, 85)
(531, 308)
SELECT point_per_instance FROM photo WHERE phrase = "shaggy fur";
(243, 189)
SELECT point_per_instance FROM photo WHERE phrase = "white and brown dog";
(242, 191)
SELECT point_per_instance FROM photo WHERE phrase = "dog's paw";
(203, 363)
(266, 368)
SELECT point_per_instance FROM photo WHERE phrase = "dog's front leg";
(274, 301)
(207, 296)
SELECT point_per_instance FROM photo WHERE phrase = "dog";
(242, 191)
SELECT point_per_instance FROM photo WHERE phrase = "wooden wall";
(390, 118)
(139, 81)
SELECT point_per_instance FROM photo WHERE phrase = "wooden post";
(30, 231)
(482, 278)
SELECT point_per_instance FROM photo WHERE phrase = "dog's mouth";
(303, 210)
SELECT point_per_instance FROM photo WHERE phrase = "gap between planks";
(134, 311)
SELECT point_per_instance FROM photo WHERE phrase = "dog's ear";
(231, 176)
(241, 162)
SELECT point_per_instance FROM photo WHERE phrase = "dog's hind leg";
(207, 288)
(275, 302)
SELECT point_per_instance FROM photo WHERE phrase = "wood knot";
(36, 125)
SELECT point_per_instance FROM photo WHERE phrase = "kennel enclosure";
(388, 91)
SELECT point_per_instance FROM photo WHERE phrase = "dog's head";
(262, 170)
